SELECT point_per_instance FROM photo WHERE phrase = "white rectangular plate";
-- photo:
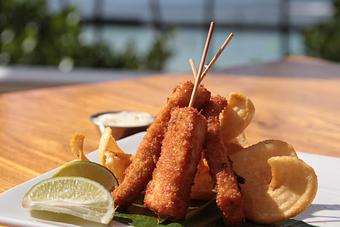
(325, 210)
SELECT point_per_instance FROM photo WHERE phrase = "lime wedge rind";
(70, 211)
(45, 198)
(90, 170)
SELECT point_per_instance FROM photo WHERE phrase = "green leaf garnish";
(200, 215)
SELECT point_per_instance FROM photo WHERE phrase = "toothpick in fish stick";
(218, 54)
(202, 63)
(193, 67)
(213, 60)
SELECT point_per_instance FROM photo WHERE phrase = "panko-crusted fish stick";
(139, 173)
(228, 195)
(168, 193)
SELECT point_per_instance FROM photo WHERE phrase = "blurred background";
(57, 42)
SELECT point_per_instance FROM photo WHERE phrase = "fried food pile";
(201, 152)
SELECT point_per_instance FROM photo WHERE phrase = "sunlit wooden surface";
(36, 125)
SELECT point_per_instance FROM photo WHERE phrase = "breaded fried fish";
(228, 195)
(139, 173)
(168, 193)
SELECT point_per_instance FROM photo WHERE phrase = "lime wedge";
(77, 196)
(90, 170)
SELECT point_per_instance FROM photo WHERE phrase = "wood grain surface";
(36, 126)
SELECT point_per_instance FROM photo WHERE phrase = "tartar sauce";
(124, 119)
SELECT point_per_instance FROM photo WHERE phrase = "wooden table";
(36, 126)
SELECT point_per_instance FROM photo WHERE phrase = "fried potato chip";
(237, 143)
(77, 146)
(241, 140)
(111, 156)
(233, 147)
(202, 188)
(294, 185)
(278, 185)
(258, 155)
(236, 116)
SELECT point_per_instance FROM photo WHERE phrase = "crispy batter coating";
(228, 195)
(139, 173)
(203, 186)
(168, 193)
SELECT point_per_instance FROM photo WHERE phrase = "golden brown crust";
(168, 193)
(228, 195)
(203, 186)
(139, 172)
(229, 198)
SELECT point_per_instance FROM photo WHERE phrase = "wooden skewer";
(204, 55)
(213, 60)
(218, 54)
(193, 67)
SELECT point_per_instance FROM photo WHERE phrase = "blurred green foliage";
(30, 35)
(323, 40)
